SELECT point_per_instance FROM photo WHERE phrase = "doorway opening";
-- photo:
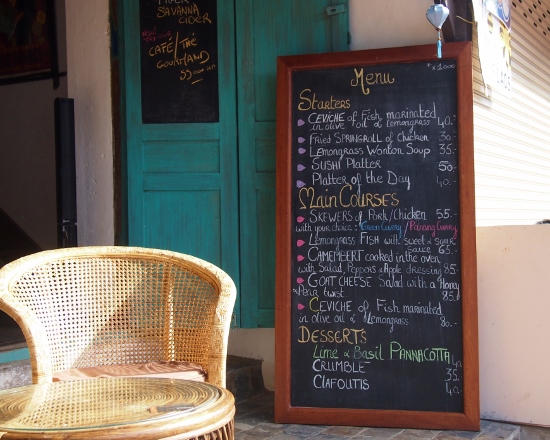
(14, 243)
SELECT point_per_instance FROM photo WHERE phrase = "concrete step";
(496, 430)
(15, 374)
(535, 433)
(244, 377)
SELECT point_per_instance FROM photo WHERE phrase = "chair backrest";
(110, 305)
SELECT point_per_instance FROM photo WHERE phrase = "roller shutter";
(512, 133)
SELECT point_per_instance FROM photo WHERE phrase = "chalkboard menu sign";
(376, 314)
(179, 61)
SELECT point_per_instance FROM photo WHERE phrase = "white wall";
(89, 84)
(27, 150)
(514, 329)
(390, 23)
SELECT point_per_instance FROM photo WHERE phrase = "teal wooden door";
(208, 189)
(182, 186)
(267, 29)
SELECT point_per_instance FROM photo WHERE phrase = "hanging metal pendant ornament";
(436, 15)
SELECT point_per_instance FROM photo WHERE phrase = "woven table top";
(103, 403)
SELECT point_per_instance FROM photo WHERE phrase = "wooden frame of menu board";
(376, 295)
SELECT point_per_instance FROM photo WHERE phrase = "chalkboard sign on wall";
(376, 309)
(179, 57)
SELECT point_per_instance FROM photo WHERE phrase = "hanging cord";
(464, 20)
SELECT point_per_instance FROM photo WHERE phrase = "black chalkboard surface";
(179, 57)
(376, 314)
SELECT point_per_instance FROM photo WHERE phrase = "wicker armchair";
(101, 306)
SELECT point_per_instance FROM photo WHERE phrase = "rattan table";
(117, 408)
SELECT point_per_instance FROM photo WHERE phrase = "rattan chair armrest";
(220, 335)
(33, 331)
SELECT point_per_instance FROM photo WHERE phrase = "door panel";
(202, 156)
(265, 30)
(170, 222)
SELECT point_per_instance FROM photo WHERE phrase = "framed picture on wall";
(27, 40)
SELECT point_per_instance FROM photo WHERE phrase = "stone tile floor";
(254, 421)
